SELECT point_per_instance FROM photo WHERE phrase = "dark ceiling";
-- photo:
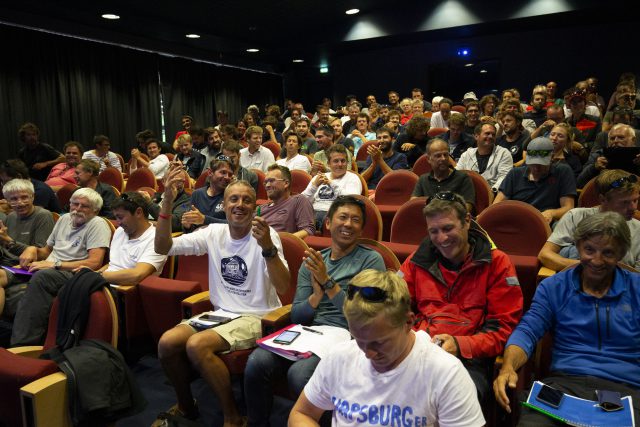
(283, 30)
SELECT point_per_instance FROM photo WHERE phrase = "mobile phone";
(213, 318)
(287, 337)
(550, 396)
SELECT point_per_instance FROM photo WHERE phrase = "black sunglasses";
(368, 293)
(448, 196)
(127, 198)
(223, 157)
(620, 182)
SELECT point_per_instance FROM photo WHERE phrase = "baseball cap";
(577, 93)
(436, 99)
(470, 95)
(539, 151)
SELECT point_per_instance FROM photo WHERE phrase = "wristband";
(163, 216)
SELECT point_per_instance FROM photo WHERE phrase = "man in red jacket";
(464, 291)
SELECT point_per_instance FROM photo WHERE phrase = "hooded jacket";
(482, 305)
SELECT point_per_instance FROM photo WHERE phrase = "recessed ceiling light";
(192, 36)
(468, 65)
(483, 71)
(253, 50)
(110, 16)
(324, 70)
(298, 60)
(352, 11)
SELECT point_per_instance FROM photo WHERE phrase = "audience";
(231, 151)
(43, 194)
(65, 173)
(102, 155)
(192, 160)
(158, 163)
(255, 156)
(39, 157)
(87, 173)
(382, 159)
(325, 140)
(293, 159)
(207, 202)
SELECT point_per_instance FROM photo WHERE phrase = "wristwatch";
(329, 284)
(270, 253)
(57, 265)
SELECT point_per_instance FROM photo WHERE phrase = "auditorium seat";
(393, 190)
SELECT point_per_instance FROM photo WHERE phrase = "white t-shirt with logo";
(429, 387)
(238, 277)
(127, 253)
(323, 196)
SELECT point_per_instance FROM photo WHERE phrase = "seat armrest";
(276, 319)
(195, 304)
(33, 351)
(44, 401)
(545, 272)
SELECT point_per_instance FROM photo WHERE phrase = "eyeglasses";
(270, 181)
(626, 97)
(368, 293)
(223, 157)
(448, 196)
(128, 198)
(538, 153)
(620, 182)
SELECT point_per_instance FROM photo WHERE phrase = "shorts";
(240, 333)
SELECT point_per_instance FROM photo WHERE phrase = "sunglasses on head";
(538, 153)
(223, 157)
(368, 293)
(620, 182)
(127, 198)
(448, 196)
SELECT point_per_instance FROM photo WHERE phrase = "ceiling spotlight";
(192, 36)
(110, 16)
(253, 50)
(468, 65)
(352, 11)
(324, 70)
(483, 71)
(298, 60)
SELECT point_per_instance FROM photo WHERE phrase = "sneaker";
(174, 417)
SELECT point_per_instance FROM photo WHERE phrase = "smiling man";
(64, 173)
(382, 159)
(79, 238)
(320, 295)
(193, 161)
(389, 374)
(255, 156)
(293, 214)
(247, 271)
(465, 291)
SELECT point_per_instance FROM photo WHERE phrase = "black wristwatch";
(57, 265)
(329, 284)
(270, 253)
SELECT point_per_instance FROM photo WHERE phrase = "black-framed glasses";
(368, 293)
(448, 196)
(620, 182)
(538, 153)
(270, 181)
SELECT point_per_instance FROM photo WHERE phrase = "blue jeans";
(262, 371)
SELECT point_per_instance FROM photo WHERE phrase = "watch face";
(329, 285)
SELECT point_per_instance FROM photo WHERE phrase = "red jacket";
(480, 309)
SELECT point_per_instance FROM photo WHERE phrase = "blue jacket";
(592, 336)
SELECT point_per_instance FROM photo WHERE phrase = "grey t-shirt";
(563, 233)
(30, 231)
(329, 311)
(72, 244)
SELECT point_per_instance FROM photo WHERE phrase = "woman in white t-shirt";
(294, 159)
(326, 187)
(157, 163)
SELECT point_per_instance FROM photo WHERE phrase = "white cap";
(470, 95)
(436, 99)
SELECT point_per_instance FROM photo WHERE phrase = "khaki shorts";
(240, 333)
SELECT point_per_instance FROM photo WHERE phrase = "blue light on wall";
(464, 52)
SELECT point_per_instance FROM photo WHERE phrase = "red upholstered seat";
(273, 147)
(484, 195)
(408, 228)
(393, 190)
(261, 194)
(433, 132)
(141, 177)
(363, 153)
(422, 165)
(589, 195)
(202, 179)
(112, 176)
(64, 194)
(299, 181)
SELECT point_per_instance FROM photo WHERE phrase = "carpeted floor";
(160, 397)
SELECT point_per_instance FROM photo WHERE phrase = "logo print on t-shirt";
(326, 192)
(219, 207)
(234, 270)
(515, 149)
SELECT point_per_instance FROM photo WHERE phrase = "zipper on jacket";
(598, 325)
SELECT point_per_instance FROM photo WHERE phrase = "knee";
(198, 349)
(170, 344)
(259, 364)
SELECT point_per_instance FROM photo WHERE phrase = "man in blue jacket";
(593, 312)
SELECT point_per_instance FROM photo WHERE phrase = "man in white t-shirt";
(247, 270)
(388, 375)
(255, 156)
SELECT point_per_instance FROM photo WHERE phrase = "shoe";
(174, 417)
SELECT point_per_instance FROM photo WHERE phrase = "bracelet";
(163, 216)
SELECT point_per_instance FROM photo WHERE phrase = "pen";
(312, 330)
(258, 212)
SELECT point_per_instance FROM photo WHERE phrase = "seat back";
(589, 195)
(141, 177)
(202, 179)
(362, 152)
(194, 268)
(299, 181)
(484, 195)
(150, 191)
(293, 248)
(122, 162)
(515, 227)
(64, 194)
(102, 323)
(261, 194)
(433, 132)
(422, 165)
(113, 177)
(389, 258)
(395, 188)
(273, 147)
(409, 225)
(459, 108)
(373, 226)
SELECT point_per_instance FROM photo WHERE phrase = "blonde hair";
(395, 308)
